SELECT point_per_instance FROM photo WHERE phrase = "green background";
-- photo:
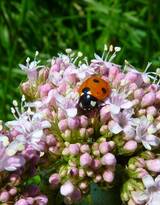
(50, 26)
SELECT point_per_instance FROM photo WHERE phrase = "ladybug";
(93, 91)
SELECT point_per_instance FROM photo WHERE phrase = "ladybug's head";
(87, 102)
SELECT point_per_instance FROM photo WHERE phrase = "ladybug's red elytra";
(93, 91)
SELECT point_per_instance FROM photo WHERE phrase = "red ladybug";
(93, 91)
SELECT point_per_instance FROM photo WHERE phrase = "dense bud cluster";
(52, 146)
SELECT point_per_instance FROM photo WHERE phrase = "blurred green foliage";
(51, 26)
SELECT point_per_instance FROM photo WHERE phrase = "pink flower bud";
(85, 160)
(81, 173)
(83, 121)
(152, 111)
(148, 99)
(111, 144)
(55, 67)
(76, 195)
(21, 202)
(43, 74)
(104, 147)
(96, 164)
(132, 87)
(73, 171)
(95, 146)
(14, 133)
(158, 97)
(131, 77)
(139, 93)
(83, 185)
(13, 191)
(104, 114)
(141, 172)
(153, 165)
(85, 148)
(152, 87)
(51, 140)
(44, 89)
(30, 200)
(108, 159)
(4, 196)
(98, 178)
(63, 125)
(25, 87)
(71, 79)
(103, 129)
(90, 131)
(82, 132)
(54, 180)
(113, 72)
(67, 134)
(14, 179)
(61, 114)
(62, 88)
(89, 173)
(131, 145)
(141, 112)
(118, 79)
(73, 123)
(74, 149)
(67, 188)
(108, 176)
(65, 151)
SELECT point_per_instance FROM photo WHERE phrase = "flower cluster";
(68, 148)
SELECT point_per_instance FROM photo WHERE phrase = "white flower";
(122, 122)
(31, 68)
(151, 195)
(145, 131)
(117, 102)
(30, 127)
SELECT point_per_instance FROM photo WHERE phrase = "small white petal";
(114, 127)
(37, 135)
(71, 112)
(114, 109)
(127, 105)
(4, 140)
(140, 197)
(148, 181)
(146, 145)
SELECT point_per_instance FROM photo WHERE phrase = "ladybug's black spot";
(96, 80)
(104, 90)
(85, 90)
